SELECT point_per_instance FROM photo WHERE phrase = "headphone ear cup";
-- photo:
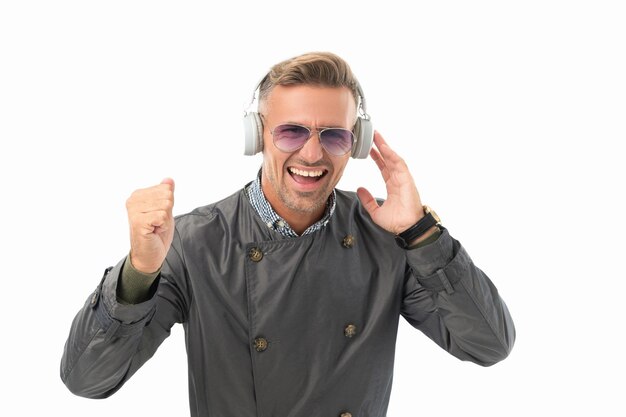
(364, 138)
(253, 133)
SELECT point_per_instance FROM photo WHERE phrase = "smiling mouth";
(307, 177)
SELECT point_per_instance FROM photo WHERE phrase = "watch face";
(427, 210)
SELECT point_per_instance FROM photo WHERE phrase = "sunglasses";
(290, 137)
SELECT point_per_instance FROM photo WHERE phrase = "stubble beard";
(303, 202)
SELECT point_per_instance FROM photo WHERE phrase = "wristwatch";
(424, 224)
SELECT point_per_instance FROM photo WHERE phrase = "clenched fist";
(151, 225)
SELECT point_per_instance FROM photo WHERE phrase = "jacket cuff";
(128, 316)
(425, 260)
(440, 265)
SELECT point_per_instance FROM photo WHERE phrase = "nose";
(312, 150)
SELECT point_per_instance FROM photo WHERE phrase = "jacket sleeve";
(455, 304)
(109, 341)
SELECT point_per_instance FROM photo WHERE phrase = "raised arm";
(111, 338)
(446, 296)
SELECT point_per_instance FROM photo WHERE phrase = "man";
(289, 291)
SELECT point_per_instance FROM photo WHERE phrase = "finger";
(165, 204)
(397, 170)
(152, 222)
(170, 186)
(169, 181)
(367, 200)
(157, 192)
(380, 162)
(164, 190)
(385, 150)
(145, 201)
(145, 198)
(378, 158)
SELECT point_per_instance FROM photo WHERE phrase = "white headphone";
(363, 129)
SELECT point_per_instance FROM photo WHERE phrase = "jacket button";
(345, 414)
(348, 241)
(94, 298)
(350, 331)
(255, 254)
(260, 344)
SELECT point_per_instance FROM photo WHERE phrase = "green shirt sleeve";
(430, 239)
(134, 286)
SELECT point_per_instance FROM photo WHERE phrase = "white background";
(511, 116)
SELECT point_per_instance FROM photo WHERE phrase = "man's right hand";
(151, 225)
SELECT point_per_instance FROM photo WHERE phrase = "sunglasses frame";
(319, 135)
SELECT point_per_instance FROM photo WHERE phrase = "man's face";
(284, 185)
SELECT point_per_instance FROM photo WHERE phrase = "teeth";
(306, 173)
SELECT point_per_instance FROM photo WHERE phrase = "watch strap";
(424, 224)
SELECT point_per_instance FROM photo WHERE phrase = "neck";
(298, 221)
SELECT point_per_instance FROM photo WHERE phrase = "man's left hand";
(402, 207)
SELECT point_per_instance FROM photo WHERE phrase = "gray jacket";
(288, 327)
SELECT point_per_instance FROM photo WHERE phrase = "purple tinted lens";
(288, 138)
(337, 141)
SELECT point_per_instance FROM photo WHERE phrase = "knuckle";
(134, 196)
(162, 216)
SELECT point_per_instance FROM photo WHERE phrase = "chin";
(305, 203)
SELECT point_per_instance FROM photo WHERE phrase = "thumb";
(368, 201)
(168, 181)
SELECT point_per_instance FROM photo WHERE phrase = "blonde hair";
(323, 69)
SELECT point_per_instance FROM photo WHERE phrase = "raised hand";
(402, 207)
(151, 225)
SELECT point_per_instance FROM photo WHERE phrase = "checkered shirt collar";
(274, 221)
